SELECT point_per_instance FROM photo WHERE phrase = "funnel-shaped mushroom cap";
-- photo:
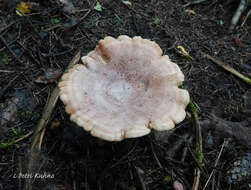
(124, 89)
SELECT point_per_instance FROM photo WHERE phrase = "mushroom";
(123, 89)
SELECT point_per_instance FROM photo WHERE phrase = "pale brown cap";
(125, 88)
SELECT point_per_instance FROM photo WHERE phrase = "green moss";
(156, 21)
(98, 7)
(194, 107)
(55, 21)
(5, 58)
(200, 159)
(16, 134)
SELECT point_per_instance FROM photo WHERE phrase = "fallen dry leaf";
(128, 3)
(182, 51)
(238, 41)
(50, 76)
(23, 8)
(191, 12)
(54, 125)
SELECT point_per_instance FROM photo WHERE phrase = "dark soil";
(72, 159)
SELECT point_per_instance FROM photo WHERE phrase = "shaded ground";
(71, 158)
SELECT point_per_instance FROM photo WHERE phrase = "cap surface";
(124, 89)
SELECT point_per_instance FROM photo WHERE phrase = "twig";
(139, 177)
(82, 18)
(40, 129)
(57, 54)
(177, 145)
(194, 2)
(70, 27)
(125, 156)
(6, 27)
(155, 156)
(29, 53)
(23, 137)
(246, 18)
(241, 8)
(197, 162)
(198, 145)
(228, 68)
(189, 140)
(29, 21)
(4, 164)
(196, 180)
(10, 50)
(49, 108)
(20, 171)
(183, 164)
(2, 92)
(7, 71)
(216, 163)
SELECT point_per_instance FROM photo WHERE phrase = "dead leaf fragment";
(190, 12)
(2, 3)
(128, 3)
(50, 76)
(238, 41)
(23, 8)
(181, 50)
(55, 125)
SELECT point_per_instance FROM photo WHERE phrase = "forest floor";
(36, 46)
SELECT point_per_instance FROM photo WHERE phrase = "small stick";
(23, 137)
(246, 17)
(196, 180)
(139, 178)
(194, 2)
(155, 156)
(241, 8)
(198, 145)
(68, 28)
(4, 164)
(20, 171)
(49, 108)
(183, 164)
(10, 50)
(228, 68)
(124, 157)
(189, 140)
(216, 163)
(6, 27)
(2, 92)
(35, 147)
(6, 71)
(29, 21)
